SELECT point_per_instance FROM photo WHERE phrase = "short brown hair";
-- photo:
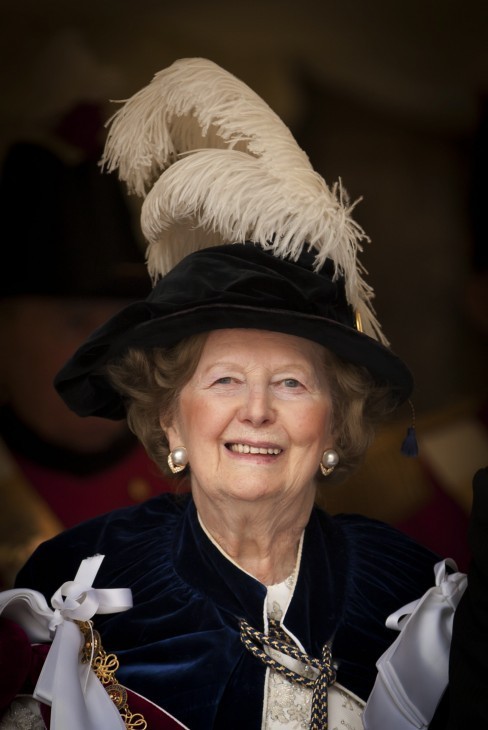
(150, 382)
(359, 405)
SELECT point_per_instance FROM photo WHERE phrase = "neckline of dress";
(289, 582)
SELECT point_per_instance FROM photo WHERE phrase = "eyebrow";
(308, 370)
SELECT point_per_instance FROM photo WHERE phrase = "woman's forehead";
(229, 344)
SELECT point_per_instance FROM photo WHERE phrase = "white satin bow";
(413, 672)
(77, 698)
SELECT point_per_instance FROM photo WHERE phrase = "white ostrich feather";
(216, 165)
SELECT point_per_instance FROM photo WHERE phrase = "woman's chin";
(256, 490)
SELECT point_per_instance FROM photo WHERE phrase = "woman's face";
(255, 416)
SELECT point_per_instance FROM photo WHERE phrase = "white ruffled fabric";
(23, 714)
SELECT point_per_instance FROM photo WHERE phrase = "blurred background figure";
(70, 260)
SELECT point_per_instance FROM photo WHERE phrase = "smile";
(247, 449)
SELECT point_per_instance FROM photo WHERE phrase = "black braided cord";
(278, 640)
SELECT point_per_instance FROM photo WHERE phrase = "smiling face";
(255, 416)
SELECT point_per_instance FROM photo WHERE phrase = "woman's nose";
(257, 407)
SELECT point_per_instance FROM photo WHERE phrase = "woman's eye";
(226, 380)
(291, 383)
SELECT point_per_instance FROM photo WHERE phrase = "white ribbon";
(413, 672)
(77, 698)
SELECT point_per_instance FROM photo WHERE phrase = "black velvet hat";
(242, 233)
(229, 286)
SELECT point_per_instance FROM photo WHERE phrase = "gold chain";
(105, 665)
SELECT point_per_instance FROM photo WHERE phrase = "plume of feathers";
(215, 165)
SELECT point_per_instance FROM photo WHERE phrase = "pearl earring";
(177, 459)
(330, 459)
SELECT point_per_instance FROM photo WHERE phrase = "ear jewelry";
(177, 459)
(330, 459)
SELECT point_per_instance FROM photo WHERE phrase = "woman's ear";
(171, 431)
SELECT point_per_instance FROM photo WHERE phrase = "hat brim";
(84, 388)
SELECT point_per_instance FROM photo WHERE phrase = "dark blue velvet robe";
(179, 645)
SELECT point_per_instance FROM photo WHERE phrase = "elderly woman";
(247, 372)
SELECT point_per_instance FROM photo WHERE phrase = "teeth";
(246, 449)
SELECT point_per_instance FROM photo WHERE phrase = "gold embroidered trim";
(105, 665)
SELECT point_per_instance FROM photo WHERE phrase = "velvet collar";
(204, 567)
